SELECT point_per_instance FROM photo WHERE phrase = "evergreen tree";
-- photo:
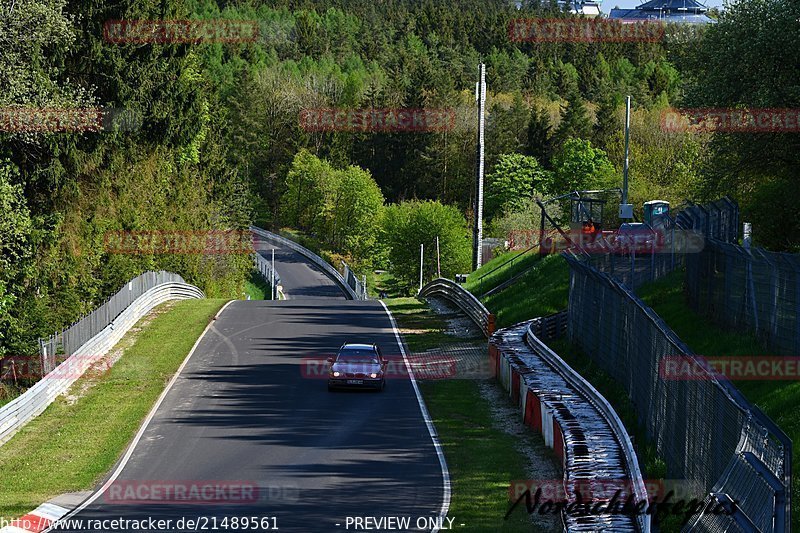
(574, 120)
(539, 143)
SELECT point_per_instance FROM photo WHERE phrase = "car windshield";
(357, 356)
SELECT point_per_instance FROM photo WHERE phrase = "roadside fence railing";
(464, 300)
(703, 428)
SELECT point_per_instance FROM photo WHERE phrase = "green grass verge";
(542, 291)
(70, 447)
(481, 458)
(780, 400)
(256, 287)
(500, 269)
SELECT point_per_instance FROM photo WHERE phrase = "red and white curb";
(37, 520)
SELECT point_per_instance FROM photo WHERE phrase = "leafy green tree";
(309, 185)
(15, 249)
(355, 215)
(409, 224)
(579, 166)
(512, 182)
(749, 60)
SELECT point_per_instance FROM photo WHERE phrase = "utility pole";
(421, 256)
(626, 209)
(477, 234)
(438, 260)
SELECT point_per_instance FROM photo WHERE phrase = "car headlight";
(336, 374)
(373, 375)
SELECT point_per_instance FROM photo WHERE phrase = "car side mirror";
(331, 359)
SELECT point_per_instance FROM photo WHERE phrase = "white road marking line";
(428, 422)
(145, 424)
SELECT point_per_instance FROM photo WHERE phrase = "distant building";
(589, 8)
(584, 7)
(677, 11)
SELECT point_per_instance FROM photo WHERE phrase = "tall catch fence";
(748, 289)
(704, 429)
(68, 340)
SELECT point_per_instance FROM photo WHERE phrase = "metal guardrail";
(69, 339)
(314, 258)
(35, 400)
(465, 300)
(575, 421)
(359, 286)
(272, 278)
(630, 341)
(594, 397)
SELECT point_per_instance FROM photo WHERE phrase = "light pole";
(626, 209)
(477, 232)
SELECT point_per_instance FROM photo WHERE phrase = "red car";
(357, 365)
(636, 237)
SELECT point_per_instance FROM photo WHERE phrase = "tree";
(356, 213)
(309, 184)
(574, 120)
(578, 166)
(539, 142)
(759, 39)
(409, 224)
(512, 182)
(15, 248)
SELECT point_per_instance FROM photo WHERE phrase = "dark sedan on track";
(357, 365)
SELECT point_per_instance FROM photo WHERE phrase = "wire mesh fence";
(748, 289)
(67, 341)
(702, 428)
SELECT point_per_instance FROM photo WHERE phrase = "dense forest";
(219, 142)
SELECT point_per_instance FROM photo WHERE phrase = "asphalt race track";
(245, 417)
(300, 278)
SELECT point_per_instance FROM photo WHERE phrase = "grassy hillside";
(542, 289)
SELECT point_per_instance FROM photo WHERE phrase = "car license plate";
(355, 381)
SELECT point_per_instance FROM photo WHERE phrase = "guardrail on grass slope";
(465, 300)
(26, 407)
(314, 258)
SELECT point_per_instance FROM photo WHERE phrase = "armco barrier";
(575, 420)
(314, 258)
(22, 410)
(465, 300)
